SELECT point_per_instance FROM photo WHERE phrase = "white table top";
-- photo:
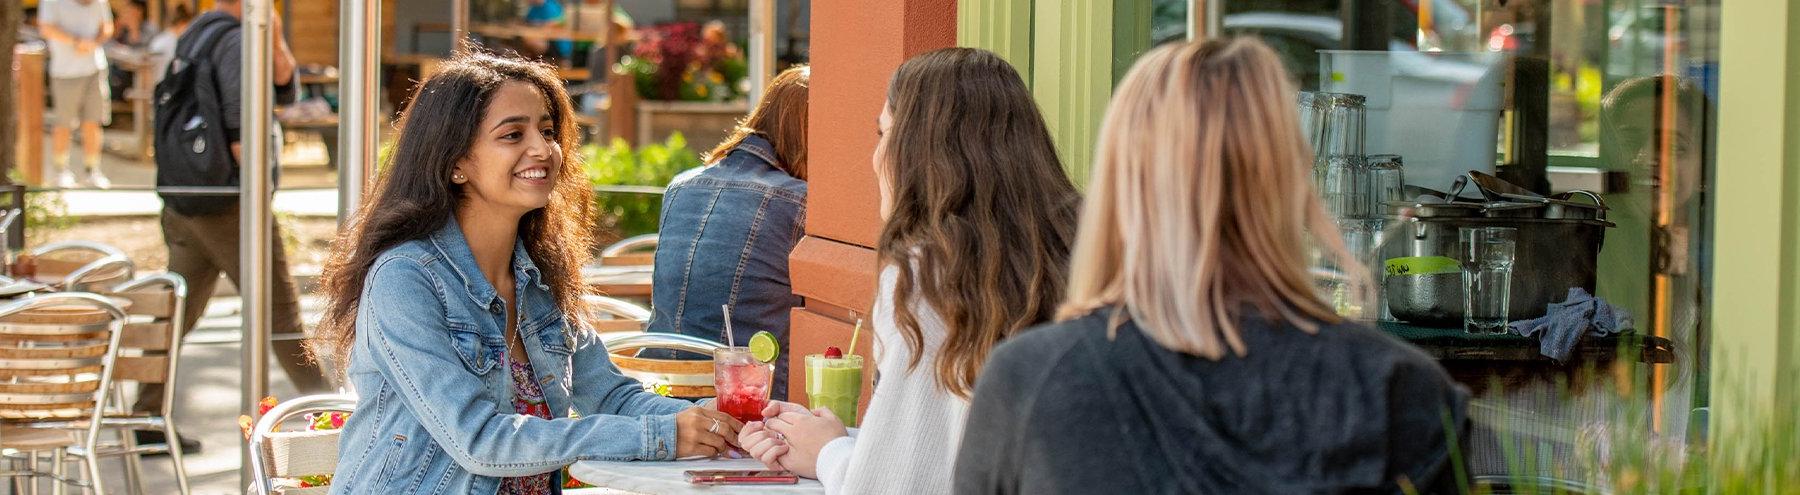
(669, 478)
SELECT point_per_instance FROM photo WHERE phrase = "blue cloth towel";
(1563, 326)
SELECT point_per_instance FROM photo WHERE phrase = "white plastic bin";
(1438, 111)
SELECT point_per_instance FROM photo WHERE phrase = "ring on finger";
(715, 426)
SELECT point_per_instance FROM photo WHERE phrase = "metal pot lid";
(1557, 210)
(1499, 199)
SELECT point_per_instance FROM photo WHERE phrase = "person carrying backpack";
(198, 124)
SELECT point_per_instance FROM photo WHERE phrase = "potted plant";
(687, 62)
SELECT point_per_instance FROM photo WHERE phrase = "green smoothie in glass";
(834, 381)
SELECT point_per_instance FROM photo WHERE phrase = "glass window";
(1614, 98)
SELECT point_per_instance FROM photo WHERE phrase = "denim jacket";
(726, 233)
(434, 412)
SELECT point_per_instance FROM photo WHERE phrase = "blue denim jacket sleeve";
(415, 352)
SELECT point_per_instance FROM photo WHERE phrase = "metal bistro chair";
(624, 268)
(57, 355)
(613, 315)
(639, 250)
(685, 379)
(149, 353)
(278, 456)
(81, 265)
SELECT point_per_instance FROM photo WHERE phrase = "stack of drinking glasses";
(1354, 186)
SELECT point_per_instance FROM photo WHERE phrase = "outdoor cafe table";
(670, 478)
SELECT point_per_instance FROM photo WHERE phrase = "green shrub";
(627, 213)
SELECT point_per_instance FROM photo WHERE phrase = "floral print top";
(528, 399)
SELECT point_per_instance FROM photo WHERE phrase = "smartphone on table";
(741, 477)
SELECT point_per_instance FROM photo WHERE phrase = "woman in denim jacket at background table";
(455, 300)
(727, 229)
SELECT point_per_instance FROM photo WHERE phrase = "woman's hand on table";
(777, 408)
(763, 445)
(805, 433)
(701, 431)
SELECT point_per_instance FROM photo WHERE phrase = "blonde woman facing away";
(979, 218)
(1193, 355)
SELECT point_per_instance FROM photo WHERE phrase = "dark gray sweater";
(1064, 409)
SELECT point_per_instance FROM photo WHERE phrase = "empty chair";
(57, 357)
(685, 379)
(278, 458)
(613, 315)
(80, 265)
(639, 250)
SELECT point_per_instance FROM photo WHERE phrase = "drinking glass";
(1487, 277)
(741, 382)
(1309, 117)
(1341, 122)
(1342, 187)
(835, 383)
(1386, 182)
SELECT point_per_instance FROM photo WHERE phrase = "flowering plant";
(685, 61)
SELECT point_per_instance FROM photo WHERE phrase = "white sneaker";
(98, 180)
(65, 180)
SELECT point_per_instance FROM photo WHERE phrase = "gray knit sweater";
(1065, 408)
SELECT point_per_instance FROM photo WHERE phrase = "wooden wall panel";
(312, 30)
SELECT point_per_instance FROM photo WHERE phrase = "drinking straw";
(729, 341)
(853, 333)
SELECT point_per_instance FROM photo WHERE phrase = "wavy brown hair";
(414, 197)
(780, 118)
(983, 215)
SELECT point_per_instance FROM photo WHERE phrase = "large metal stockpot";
(1558, 248)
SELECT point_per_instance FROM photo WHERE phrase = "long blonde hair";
(983, 214)
(1201, 201)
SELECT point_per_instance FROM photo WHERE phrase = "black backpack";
(192, 144)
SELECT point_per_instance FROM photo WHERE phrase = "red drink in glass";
(741, 382)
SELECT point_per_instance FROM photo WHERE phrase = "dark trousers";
(201, 247)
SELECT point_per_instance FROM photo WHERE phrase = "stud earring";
(458, 178)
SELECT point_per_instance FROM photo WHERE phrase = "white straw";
(729, 340)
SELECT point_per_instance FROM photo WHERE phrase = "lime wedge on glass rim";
(764, 348)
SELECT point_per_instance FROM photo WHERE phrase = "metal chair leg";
(58, 470)
(175, 453)
(134, 465)
(35, 471)
(93, 471)
(19, 480)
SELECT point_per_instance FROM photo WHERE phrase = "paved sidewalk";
(308, 190)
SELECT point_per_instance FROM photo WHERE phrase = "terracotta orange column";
(856, 45)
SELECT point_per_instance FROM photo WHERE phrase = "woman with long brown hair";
(1194, 355)
(727, 228)
(455, 301)
(979, 217)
